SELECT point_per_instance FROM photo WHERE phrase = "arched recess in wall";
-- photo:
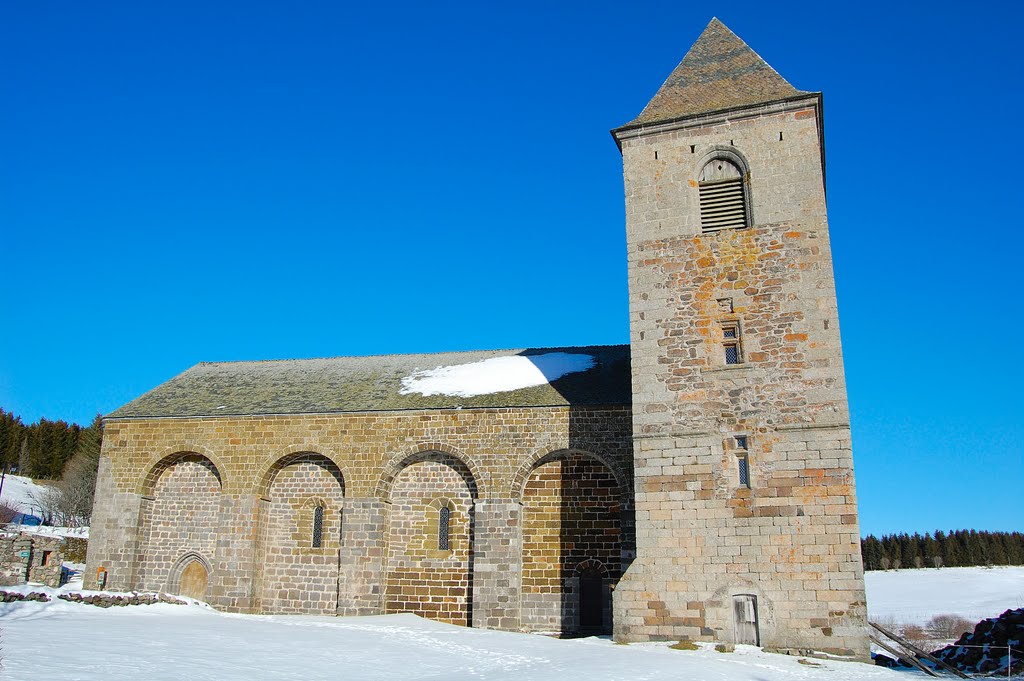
(301, 518)
(190, 576)
(179, 516)
(572, 525)
(430, 532)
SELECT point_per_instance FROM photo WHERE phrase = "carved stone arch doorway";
(190, 577)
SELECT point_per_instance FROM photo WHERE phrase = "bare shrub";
(937, 561)
(915, 633)
(948, 627)
(48, 500)
(7, 513)
(68, 501)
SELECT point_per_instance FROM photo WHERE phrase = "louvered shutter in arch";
(723, 204)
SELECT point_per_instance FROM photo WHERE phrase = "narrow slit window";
(318, 526)
(443, 520)
(743, 468)
(731, 346)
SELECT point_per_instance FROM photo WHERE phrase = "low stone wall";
(100, 600)
(109, 600)
(26, 557)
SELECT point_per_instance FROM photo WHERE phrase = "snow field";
(915, 596)
(190, 642)
(20, 492)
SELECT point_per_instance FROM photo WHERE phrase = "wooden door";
(745, 619)
(194, 580)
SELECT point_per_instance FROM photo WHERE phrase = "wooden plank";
(914, 649)
(909, 659)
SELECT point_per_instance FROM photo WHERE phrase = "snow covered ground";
(23, 494)
(74, 641)
(915, 596)
(191, 642)
(20, 492)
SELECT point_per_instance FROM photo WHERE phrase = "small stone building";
(30, 557)
(697, 483)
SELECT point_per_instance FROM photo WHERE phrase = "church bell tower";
(746, 511)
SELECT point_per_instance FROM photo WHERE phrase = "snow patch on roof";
(496, 375)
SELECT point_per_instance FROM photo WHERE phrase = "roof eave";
(715, 116)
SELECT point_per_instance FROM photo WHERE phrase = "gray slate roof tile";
(719, 72)
(359, 384)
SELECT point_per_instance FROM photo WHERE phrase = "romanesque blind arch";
(572, 507)
(429, 571)
(300, 533)
(179, 516)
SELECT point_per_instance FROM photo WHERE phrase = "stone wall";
(27, 557)
(179, 520)
(296, 576)
(248, 515)
(790, 538)
(423, 576)
(572, 510)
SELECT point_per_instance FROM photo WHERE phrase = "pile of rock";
(12, 596)
(100, 600)
(109, 600)
(985, 650)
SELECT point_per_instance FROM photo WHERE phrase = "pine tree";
(929, 549)
(871, 550)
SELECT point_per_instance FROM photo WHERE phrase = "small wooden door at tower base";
(194, 580)
(744, 608)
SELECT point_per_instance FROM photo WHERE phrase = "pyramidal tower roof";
(719, 72)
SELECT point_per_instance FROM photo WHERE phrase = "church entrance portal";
(194, 580)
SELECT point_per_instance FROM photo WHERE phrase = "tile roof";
(357, 384)
(719, 72)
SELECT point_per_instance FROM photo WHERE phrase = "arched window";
(723, 196)
(318, 526)
(444, 517)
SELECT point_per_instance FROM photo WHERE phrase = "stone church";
(695, 484)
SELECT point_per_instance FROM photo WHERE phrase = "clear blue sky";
(189, 181)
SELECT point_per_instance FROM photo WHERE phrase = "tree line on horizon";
(957, 548)
(42, 450)
(66, 453)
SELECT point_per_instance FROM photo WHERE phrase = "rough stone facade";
(788, 534)
(236, 494)
(711, 499)
(27, 557)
